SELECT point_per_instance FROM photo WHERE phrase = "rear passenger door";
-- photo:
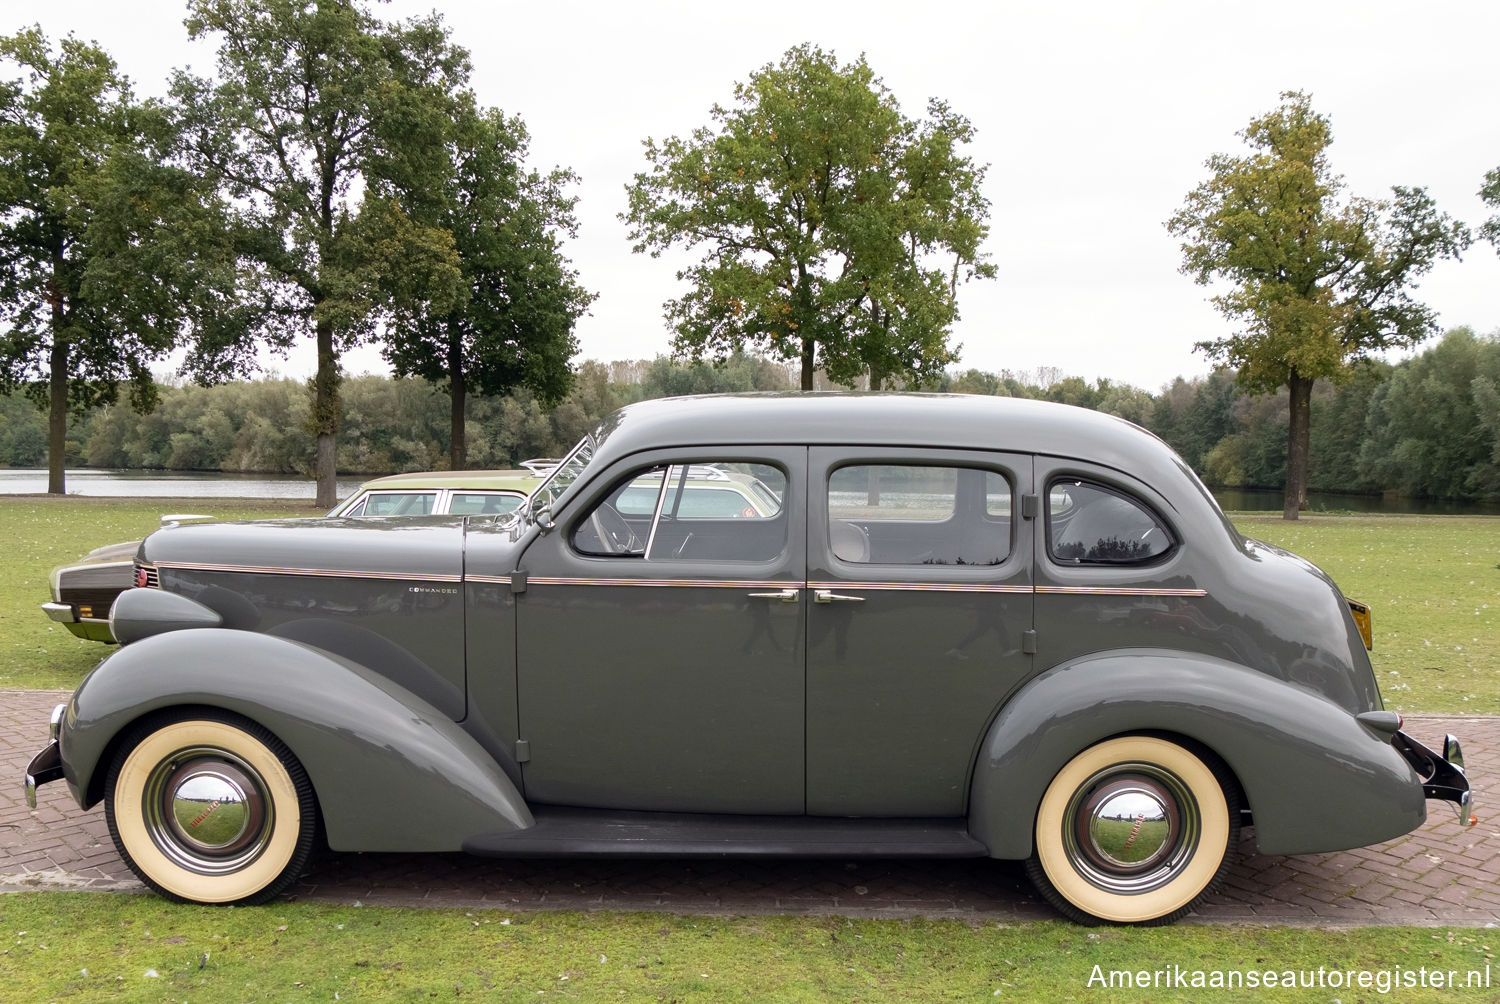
(920, 607)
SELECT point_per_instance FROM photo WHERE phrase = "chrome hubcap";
(207, 810)
(1130, 827)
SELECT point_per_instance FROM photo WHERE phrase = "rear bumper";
(1443, 776)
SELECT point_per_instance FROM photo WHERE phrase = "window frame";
(956, 464)
(1174, 541)
(676, 472)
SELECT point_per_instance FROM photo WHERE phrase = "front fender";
(391, 772)
(1314, 777)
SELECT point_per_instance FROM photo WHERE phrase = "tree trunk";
(57, 418)
(326, 416)
(1298, 444)
(458, 452)
(808, 357)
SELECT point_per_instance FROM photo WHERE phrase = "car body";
(947, 626)
(83, 592)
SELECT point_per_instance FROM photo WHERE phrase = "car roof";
(957, 421)
(520, 481)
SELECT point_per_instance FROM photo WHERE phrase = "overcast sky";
(1095, 119)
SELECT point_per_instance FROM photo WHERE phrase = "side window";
(919, 515)
(482, 503)
(1090, 524)
(399, 503)
(728, 511)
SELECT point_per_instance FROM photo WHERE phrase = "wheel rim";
(1131, 828)
(207, 810)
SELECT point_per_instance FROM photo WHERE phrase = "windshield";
(562, 477)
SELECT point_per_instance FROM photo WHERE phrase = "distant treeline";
(1428, 427)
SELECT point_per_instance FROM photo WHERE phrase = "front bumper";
(1443, 776)
(87, 628)
(46, 766)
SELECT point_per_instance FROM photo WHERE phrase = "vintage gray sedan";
(939, 626)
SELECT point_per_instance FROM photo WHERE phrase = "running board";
(566, 832)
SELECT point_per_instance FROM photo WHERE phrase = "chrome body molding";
(1117, 591)
(320, 573)
(555, 580)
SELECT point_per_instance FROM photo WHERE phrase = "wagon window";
(483, 503)
(395, 504)
(722, 511)
(909, 514)
(1090, 524)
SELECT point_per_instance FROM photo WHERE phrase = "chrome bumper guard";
(46, 766)
(1443, 777)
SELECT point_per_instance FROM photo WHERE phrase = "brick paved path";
(1439, 875)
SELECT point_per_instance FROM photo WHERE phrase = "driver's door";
(661, 641)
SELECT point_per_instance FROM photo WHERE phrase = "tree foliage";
(1315, 279)
(320, 113)
(1426, 428)
(512, 324)
(835, 230)
(109, 252)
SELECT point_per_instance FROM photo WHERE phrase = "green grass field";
(41, 534)
(1433, 584)
(68, 946)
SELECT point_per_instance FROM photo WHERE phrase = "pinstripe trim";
(322, 573)
(1118, 591)
(921, 587)
(549, 580)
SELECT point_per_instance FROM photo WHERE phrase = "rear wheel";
(210, 808)
(1135, 830)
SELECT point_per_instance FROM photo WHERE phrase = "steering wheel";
(614, 530)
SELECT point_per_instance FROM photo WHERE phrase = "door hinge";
(1028, 643)
(523, 751)
(518, 581)
(1031, 505)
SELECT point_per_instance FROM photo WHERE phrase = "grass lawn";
(41, 534)
(1433, 585)
(88, 947)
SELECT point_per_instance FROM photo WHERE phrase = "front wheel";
(1135, 830)
(210, 808)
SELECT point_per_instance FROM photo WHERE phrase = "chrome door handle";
(829, 596)
(784, 595)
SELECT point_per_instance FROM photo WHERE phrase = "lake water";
(1254, 500)
(170, 484)
(181, 484)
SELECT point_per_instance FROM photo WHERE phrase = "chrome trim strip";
(922, 587)
(323, 573)
(489, 580)
(552, 580)
(1118, 591)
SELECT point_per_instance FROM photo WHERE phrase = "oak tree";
(1314, 279)
(317, 110)
(835, 230)
(111, 254)
(512, 324)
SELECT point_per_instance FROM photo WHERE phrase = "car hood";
(384, 548)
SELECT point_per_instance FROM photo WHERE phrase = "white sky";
(1096, 119)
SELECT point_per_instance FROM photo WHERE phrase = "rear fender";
(391, 772)
(1315, 779)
